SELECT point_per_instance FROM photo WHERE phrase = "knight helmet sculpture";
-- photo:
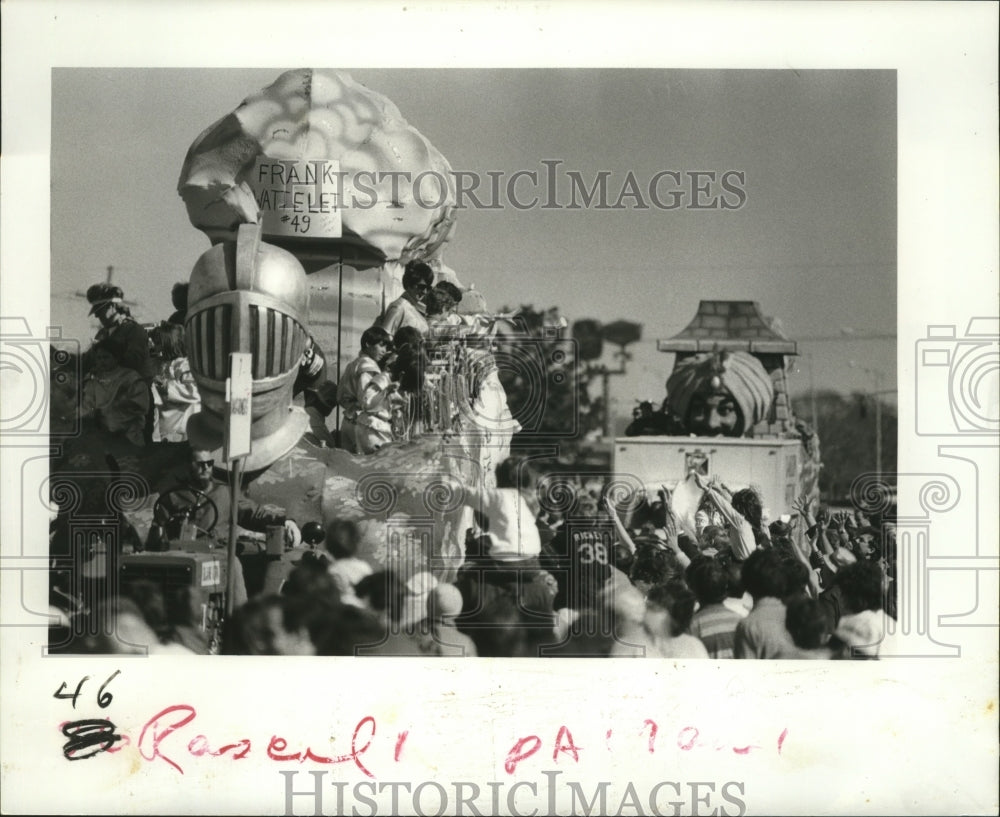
(248, 296)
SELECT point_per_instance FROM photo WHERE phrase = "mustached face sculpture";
(720, 393)
(714, 413)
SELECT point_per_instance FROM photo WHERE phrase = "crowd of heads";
(608, 581)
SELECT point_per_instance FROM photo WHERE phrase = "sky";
(814, 243)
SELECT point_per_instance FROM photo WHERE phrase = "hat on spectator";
(100, 295)
(418, 591)
(444, 601)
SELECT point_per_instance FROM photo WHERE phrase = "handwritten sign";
(298, 198)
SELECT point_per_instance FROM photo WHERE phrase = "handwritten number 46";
(103, 698)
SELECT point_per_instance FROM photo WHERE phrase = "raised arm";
(670, 527)
(742, 538)
(623, 534)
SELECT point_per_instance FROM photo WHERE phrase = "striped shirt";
(715, 625)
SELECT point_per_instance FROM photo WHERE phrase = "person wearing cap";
(365, 395)
(385, 594)
(418, 616)
(410, 309)
(126, 337)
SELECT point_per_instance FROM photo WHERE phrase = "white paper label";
(298, 198)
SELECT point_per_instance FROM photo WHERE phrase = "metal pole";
(878, 426)
(234, 501)
(340, 337)
(812, 393)
(606, 394)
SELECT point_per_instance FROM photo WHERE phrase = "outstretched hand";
(801, 505)
(716, 484)
(669, 518)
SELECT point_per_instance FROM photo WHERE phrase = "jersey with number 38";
(585, 558)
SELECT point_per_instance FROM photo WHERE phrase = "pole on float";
(239, 389)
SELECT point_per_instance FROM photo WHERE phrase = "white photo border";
(914, 735)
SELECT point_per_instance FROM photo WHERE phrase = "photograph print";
(473, 362)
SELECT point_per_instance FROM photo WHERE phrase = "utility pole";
(606, 373)
(878, 424)
(107, 280)
(812, 392)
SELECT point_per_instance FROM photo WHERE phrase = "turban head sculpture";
(720, 393)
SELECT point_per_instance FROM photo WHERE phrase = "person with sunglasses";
(410, 308)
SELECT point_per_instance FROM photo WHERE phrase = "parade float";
(298, 191)
(320, 162)
(327, 178)
(727, 412)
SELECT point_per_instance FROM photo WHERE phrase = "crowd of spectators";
(537, 579)
(594, 580)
